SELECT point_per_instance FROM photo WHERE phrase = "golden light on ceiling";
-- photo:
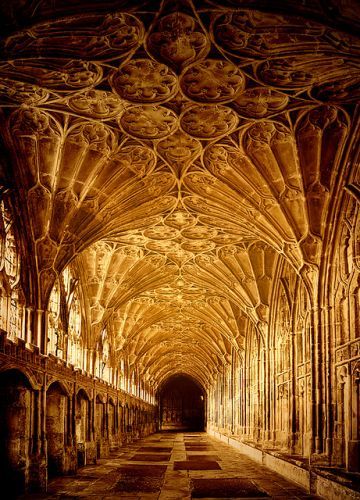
(174, 164)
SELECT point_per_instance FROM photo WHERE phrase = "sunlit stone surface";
(179, 234)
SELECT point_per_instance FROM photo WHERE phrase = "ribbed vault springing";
(174, 155)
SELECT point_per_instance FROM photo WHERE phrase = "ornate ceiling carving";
(174, 153)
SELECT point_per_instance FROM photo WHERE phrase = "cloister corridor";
(169, 466)
(179, 249)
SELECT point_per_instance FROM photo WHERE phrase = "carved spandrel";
(36, 136)
(46, 252)
(199, 232)
(338, 91)
(39, 200)
(260, 102)
(230, 164)
(180, 219)
(281, 168)
(300, 72)
(251, 33)
(39, 377)
(33, 122)
(161, 233)
(212, 81)
(88, 36)
(149, 122)
(178, 40)
(57, 75)
(138, 159)
(355, 349)
(145, 81)
(209, 122)
(93, 136)
(198, 246)
(47, 277)
(323, 127)
(179, 151)
(64, 205)
(342, 354)
(320, 137)
(97, 104)
(13, 92)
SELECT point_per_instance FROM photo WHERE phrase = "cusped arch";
(100, 397)
(64, 389)
(28, 376)
(82, 392)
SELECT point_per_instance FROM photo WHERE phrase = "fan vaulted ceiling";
(174, 153)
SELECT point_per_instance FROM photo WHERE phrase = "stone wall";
(54, 419)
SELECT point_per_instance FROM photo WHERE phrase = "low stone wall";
(315, 481)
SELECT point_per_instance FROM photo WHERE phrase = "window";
(11, 295)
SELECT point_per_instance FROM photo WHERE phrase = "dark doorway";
(182, 405)
(56, 428)
(82, 426)
(16, 429)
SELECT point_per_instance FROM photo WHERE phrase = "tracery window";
(12, 301)
(122, 374)
(283, 338)
(55, 328)
(16, 314)
(75, 347)
(103, 355)
(64, 320)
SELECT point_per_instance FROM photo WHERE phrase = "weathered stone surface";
(179, 189)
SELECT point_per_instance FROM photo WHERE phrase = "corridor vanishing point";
(180, 246)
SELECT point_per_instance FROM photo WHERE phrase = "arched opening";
(182, 405)
(112, 422)
(57, 411)
(16, 425)
(100, 426)
(82, 426)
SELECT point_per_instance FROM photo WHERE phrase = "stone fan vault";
(180, 201)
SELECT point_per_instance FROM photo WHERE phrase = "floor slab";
(205, 468)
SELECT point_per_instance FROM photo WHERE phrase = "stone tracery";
(188, 167)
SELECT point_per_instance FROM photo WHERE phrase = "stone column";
(353, 458)
(232, 382)
(40, 330)
(327, 322)
(29, 311)
(106, 423)
(92, 409)
(38, 422)
(292, 388)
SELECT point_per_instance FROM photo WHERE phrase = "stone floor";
(172, 466)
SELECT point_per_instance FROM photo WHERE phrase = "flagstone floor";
(174, 466)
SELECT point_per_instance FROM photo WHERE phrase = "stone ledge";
(330, 488)
(317, 481)
(291, 471)
(335, 484)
